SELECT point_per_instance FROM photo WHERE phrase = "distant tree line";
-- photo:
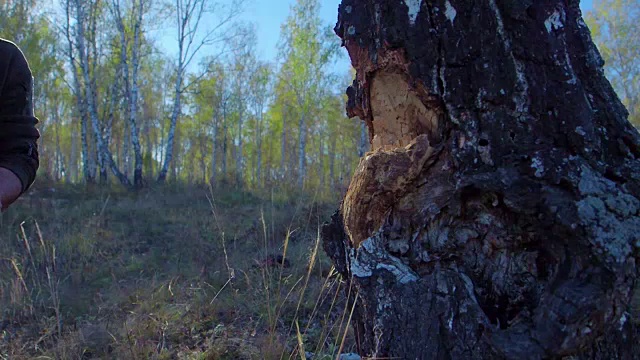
(615, 27)
(116, 106)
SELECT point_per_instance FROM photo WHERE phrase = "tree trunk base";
(438, 313)
(498, 213)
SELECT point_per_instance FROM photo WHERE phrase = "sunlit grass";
(188, 273)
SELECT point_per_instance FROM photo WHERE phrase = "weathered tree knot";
(372, 256)
(381, 178)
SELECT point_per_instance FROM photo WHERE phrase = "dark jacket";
(18, 133)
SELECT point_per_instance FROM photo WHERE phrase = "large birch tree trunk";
(497, 215)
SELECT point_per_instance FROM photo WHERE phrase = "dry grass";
(168, 273)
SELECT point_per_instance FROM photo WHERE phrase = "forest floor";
(173, 272)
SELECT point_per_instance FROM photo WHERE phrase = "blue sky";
(268, 15)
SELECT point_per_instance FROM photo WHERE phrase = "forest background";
(230, 126)
(142, 91)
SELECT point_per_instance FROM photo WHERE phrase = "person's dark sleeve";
(18, 132)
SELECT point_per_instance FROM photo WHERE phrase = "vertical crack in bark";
(522, 99)
(440, 65)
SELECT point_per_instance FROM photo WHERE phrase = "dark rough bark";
(497, 215)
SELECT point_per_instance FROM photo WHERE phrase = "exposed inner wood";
(402, 125)
(398, 114)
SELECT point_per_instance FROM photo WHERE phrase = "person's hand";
(10, 188)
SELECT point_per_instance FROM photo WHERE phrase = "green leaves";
(615, 28)
(267, 122)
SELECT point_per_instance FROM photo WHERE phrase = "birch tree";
(213, 94)
(192, 37)
(130, 66)
(244, 63)
(261, 89)
(88, 162)
(89, 88)
(307, 49)
(222, 100)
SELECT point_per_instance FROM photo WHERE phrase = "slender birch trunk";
(214, 148)
(92, 109)
(131, 80)
(239, 157)
(224, 143)
(363, 143)
(283, 145)
(88, 165)
(259, 149)
(302, 154)
(168, 156)
(332, 161)
(133, 110)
